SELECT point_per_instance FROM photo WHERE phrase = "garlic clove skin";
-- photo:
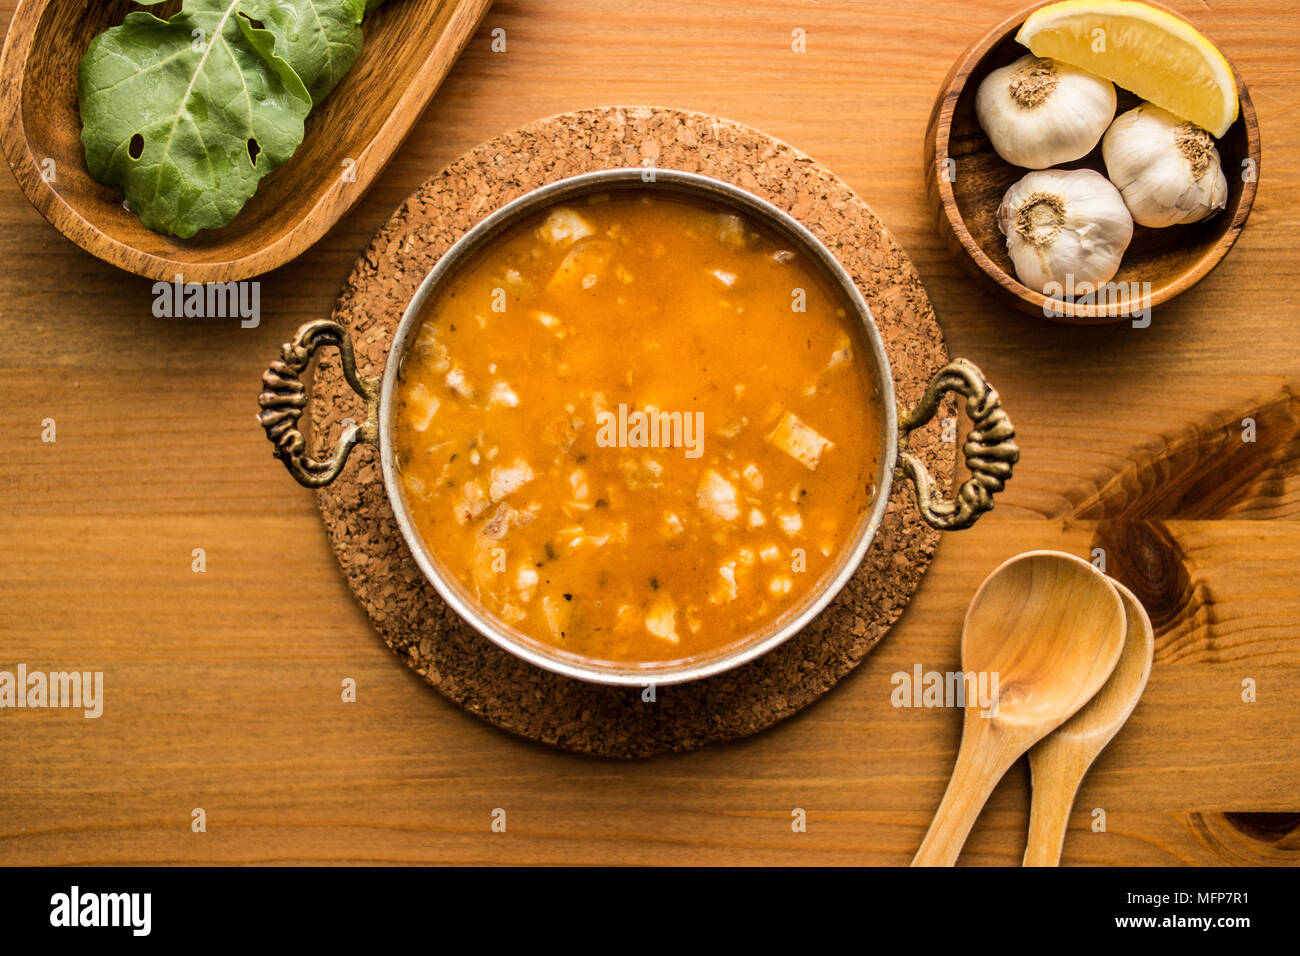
(1065, 226)
(1168, 170)
(1039, 112)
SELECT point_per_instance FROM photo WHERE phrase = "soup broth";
(637, 428)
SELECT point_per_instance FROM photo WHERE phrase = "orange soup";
(637, 428)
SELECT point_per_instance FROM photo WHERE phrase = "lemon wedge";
(1142, 49)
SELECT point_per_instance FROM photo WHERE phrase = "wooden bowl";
(968, 191)
(409, 47)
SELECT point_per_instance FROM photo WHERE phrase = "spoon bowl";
(1044, 622)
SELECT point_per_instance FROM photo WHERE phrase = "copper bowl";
(990, 449)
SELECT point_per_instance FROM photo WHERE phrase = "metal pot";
(990, 449)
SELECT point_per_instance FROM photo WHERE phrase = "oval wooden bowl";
(409, 47)
(1171, 259)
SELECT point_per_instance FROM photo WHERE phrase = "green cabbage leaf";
(187, 115)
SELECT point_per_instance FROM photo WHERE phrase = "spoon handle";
(981, 763)
(1055, 774)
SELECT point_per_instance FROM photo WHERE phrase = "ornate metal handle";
(990, 449)
(284, 398)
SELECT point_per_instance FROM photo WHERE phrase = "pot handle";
(284, 398)
(990, 448)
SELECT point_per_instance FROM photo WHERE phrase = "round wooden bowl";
(966, 180)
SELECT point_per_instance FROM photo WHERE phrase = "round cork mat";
(407, 611)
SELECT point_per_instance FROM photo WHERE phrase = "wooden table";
(223, 687)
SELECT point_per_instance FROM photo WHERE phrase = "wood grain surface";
(222, 688)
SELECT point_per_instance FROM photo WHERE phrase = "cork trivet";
(450, 655)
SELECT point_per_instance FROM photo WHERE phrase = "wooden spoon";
(1051, 628)
(1058, 763)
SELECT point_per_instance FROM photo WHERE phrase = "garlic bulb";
(1167, 170)
(1066, 227)
(1039, 112)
